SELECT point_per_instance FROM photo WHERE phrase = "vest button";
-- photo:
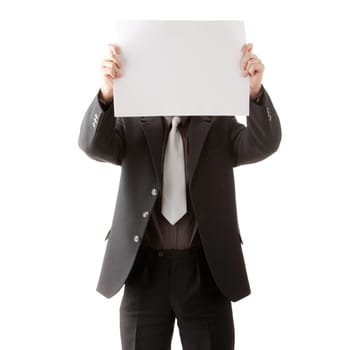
(136, 238)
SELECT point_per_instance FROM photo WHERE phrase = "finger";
(110, 73)
(114, 49)
(252, 61)
(250, 47)
(110, 64)
(115, 60)
(245, 58)
(114, 55)
(247, 48)
(256, 68)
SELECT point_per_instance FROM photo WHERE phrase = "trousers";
(164, 285)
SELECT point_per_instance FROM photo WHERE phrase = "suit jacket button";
(136, 238)
(268, 113)
(145, 214)
(154, 192)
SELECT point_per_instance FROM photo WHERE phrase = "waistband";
(198, 249)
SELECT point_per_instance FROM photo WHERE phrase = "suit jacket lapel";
(198, 130)
(153, 131)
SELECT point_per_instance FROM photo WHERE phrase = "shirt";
(160, 234)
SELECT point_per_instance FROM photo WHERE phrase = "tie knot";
(175, 121)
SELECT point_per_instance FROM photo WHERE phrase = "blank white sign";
(180, 68)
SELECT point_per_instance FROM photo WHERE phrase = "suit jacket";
(217, 144)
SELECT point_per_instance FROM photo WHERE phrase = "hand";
(110, 69)
(251, 66)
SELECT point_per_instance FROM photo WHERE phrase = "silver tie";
(174, 204)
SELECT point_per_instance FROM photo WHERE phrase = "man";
(174, 240)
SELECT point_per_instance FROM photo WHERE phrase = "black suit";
(216, 145)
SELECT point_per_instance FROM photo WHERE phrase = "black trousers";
(168, 284)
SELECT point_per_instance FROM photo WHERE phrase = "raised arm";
(101, 134)
(262, 135)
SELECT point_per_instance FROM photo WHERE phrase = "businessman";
(174, 240)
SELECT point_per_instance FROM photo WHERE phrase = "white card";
(180, 68)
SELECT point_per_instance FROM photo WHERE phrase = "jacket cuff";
(259, 99)
(103, 104)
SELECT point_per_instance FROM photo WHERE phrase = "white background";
(57, 204)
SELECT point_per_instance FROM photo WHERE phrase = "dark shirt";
(160, 234)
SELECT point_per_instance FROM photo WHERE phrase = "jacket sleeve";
(262, 135)
(102, 134)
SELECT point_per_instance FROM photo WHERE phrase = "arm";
(101, 134)
(262, 135)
